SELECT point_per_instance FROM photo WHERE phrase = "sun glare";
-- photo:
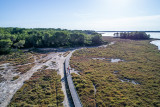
(119, 3)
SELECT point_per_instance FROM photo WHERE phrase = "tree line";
(46, 37)
(134, 35)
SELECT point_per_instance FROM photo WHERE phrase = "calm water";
(152, 35)
(157, 43)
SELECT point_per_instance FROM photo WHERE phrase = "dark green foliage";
(60, 39)
(134, 35)
(43, 37)
(77, 39)
(43, 89)
(97, 39)
(5, 45)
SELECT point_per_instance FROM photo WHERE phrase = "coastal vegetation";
(85, 89)
(41, 90)
(22, 61)
(17, 58)
(45, 37)
(133, 81)
(134, 35)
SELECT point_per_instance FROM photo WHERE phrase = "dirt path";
(60, 62)
(8, 87)
(53, 60)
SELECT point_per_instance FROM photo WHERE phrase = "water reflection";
(157, 43)
(116, 60)
(155, 35)
(129, 80)
(126, 79)
(109, 59)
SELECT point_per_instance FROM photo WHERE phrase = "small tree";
(19, 44)
(97, 39)
(5, 45)
(77, 39)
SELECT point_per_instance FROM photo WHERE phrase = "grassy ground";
(141, 64)
(41, 90)
(22, 61)
(17, 58)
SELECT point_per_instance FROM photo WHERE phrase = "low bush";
(42, 89)
(141, 64)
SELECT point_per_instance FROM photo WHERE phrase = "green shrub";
(40, 91)
(141, 64)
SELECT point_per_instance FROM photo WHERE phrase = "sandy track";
(8, 87)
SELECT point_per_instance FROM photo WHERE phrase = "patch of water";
(95, 90)
(112, 43)
(129, 80)
(157, 43)
(116, 72)
(108, 59)
(98, 58)
(126, 79)
(115, 60)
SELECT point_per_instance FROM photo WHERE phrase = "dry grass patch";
(43, 89)
(24, 68)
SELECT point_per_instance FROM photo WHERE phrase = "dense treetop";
(46, 37)
(134, 35)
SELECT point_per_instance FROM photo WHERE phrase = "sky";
(96, 15)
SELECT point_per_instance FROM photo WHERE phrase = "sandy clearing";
(8, 87)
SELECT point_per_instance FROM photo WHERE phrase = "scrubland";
(42, 89)
(132, 82)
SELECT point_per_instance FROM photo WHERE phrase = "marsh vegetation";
(42, 89)
(140, 73)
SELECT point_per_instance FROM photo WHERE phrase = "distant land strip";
(129, 31)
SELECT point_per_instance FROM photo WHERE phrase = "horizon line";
(130, 31)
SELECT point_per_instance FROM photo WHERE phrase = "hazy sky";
(81, 14)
